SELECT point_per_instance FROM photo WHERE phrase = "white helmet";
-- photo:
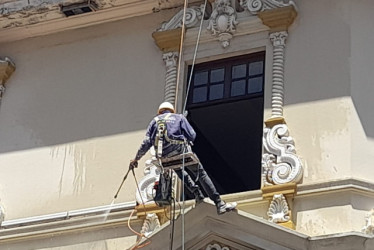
(166, 105)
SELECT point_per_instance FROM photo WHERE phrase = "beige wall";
(74, 114)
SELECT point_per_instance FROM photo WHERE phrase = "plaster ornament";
(216, 246)
(255, 6)
(280, 163)
(146, 184)
(369, 227)
(150, 224)
(170, 60)
(223, 22)
(278, 209)
(193, 15)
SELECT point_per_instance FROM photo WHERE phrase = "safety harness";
(162, 135)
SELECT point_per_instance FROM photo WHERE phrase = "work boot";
(223, 207)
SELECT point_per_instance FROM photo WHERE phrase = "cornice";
(47, 19)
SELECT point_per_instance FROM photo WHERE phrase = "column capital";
(278, 19)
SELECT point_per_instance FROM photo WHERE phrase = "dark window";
(225, 80)
(225, 107)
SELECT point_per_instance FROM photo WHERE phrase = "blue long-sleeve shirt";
(177, 127)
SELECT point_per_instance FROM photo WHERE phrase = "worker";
(178, 136)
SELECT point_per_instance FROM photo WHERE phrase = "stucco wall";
(328, 87)
(74, 114)
(75, 109)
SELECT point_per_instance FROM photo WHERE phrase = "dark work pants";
(204, 181)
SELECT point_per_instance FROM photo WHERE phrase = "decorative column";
(171, 61)
(282, 168)
(7, 68)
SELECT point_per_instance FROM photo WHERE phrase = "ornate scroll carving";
(150, 224)
(280, 162)
(223, 22)
(279, 41)
(146, 184)
(278, 210)
(255, 6)
(369, 227)
(170, 60)
(216, 246)
(193, 15)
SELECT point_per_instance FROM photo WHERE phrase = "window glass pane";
(238, 88)
(199, 94)
(256, 68)
(217, 75)
(239, 71)
(216, 92)
(200, 78)
(255, 85)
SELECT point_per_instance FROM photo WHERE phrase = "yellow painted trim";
(271, 122)
(286, 189)
(278, 19)
(168, 40)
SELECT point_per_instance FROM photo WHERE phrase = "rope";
(181, 48)
(194, 57)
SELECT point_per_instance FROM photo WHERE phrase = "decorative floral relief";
(278, 210)
(280, 163)
(223, 22)
(369, 227)
(255, 6)
(150, 224)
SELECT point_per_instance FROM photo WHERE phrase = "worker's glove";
(133, 164)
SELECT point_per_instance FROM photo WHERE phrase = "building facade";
(279, 92)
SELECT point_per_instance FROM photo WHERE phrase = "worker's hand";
(133, 164)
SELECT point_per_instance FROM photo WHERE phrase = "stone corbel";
(280, 163)
(7, 67)
(279, 209)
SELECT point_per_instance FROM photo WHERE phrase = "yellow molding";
(289, 224)
(168, 40)
(271, 122)
(278, 19)
(286, 189)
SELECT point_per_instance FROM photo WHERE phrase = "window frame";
(227, 64)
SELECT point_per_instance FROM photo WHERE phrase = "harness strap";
(162, 134)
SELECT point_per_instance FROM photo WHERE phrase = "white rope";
(194, 57)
